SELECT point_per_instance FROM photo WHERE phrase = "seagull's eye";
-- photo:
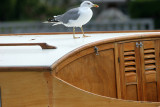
(88, 3)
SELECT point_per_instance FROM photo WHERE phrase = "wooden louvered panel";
(150, 72)
(129, 53)
(129, 63)
(129, 58)
(140, 70)
(148, 61)
(150, 67)
(149, 51)
(130, 68)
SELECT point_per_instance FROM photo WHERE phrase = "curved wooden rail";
(42, 45)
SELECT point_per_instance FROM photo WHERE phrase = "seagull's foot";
(76, 37)
(85, 36)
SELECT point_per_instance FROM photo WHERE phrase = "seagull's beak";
(95, 5)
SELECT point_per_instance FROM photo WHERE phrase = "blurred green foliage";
(145, 9)
(13, 10)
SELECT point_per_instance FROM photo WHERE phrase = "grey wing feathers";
(72, 14)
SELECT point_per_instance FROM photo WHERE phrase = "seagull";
(76, 17)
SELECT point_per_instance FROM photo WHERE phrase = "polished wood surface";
(134, 61)
(26, 68)
(138, 66)
(149, 70)
(93, 73)
(24, 89)
(78, 53)
(66, 95)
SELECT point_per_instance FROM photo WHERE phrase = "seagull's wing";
(72, 14)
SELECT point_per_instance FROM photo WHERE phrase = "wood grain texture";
(78, 53)
(132, 92)
(49, 80)
(129, 68)
(157, 53)
(94, 73)
(25, 68)
(24, 89)
(122, 69)
(149, 70)
(151, 92)
(66, 95)
(117, 68)
(139, 73)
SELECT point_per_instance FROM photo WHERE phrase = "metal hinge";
(96, 50)
(139, 44)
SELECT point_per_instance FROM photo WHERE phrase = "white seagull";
(75, 17)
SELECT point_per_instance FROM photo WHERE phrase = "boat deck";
(35, 56)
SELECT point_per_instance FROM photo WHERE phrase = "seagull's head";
(88, 4)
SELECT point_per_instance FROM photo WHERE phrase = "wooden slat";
(130, 74)
(129, 53)
(117, 68)
(129, 58)
(149, 51)
(129, 46)
(150, 76)
(150, 66)
(148, 61)
(139, 74)
(149, 56)
(130, 77)
(150, 72)
(122, 73)
(129, 63)
(148, 44)
(130, 68)
(143, 77)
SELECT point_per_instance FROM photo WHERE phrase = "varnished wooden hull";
(122, 74)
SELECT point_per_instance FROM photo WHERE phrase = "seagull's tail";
(52, 20)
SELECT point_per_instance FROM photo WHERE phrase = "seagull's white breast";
(85, 16)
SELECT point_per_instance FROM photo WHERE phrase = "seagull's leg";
(74, 33)
(83, 33)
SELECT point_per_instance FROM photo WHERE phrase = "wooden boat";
(115, 69)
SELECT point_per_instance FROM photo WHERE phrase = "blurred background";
(26, 16)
